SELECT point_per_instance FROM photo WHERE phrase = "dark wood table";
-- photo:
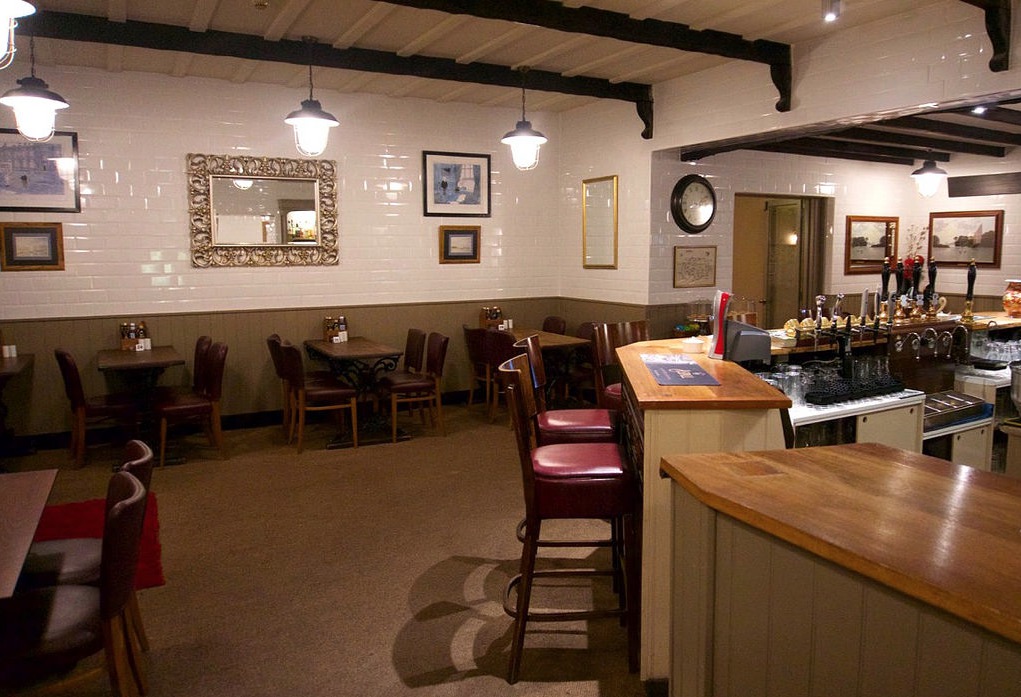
(549, 340)
(10, 367)
(22, 499)
(157, 359)
(360, 362)
(558, 351)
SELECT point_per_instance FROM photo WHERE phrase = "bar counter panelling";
(741, 413)
(852, 570)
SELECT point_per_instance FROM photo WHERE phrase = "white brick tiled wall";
(127, 251)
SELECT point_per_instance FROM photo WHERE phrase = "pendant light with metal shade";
(10, 12)
(928, 178)
(35, 105)
(524, 141)
(311, 124)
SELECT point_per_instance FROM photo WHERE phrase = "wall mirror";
(869, 240)
(262, 211)
(599, 223)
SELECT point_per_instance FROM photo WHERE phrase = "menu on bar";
(676, 369)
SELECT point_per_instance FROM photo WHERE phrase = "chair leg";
(439, 414)
(216, 429)
(135, 649)
(135, 615)
(632, 589)
(118, 664)
(78, 438)
(528, 551)
(299, 415)
(393, 416)
(354, 422)
(163, 439)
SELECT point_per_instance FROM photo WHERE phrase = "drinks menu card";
(676, 369)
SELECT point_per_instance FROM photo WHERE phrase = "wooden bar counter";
(854, 569)
(741, 413)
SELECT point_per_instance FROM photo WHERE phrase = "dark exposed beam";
(87, 28)
(916, 123)
(874, 135)
(997, 16)
(995, 113)
(835, 148)
(796, 148)
(616, 25)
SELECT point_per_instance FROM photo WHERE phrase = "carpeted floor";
(337, 572)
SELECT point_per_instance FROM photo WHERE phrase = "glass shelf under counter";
(894, 419)
(813, 413)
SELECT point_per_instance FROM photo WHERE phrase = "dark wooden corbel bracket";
(998, 28)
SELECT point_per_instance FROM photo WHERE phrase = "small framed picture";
(32, 247)
(39, 177)
(958, 237)
(694, 267)
(455, 184)
(459, 244)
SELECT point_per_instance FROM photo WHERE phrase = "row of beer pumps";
(910, 303)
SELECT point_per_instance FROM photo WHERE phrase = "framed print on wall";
(455, 184)
(694, 267)
(31, 247)
(459, 244)
(39, 176)
(868, 241)
(955, 238)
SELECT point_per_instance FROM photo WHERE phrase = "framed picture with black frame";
(455, 184)
(459, 244)
(31, 247)
(39, 176)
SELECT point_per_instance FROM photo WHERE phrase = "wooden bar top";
(738, 389)
(947, 535)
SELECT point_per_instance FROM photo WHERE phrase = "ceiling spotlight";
(928, 178)
(830, 10)
(980, 109)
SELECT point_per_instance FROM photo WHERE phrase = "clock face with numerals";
(693, 203)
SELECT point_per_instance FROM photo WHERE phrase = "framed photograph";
(459, 244)
(955, 238)
(868, 240)
(694, 267)
(32, 247)
(455, 184)
(39, 176)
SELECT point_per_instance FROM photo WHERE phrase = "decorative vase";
(1012, 298)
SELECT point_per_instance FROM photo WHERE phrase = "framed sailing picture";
(955, 238)
(455, 184)
(39, 177)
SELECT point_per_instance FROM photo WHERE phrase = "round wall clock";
(693, 203)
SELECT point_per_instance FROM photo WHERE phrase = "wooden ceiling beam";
(90, 29)
(616, 25)
(943, 128)
(795, 148)
(874, 135)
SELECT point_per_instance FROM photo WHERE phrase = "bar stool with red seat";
(608, 337)
(564, 425)
(589, 481)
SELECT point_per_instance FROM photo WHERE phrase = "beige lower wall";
(37, 403)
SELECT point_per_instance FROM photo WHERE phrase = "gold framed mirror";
(262, 211)
(599, 223)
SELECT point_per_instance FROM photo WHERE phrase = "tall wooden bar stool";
(569, 481)
(608, 337)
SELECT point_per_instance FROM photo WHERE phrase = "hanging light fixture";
(830, 10)
(928, 178)
(35, 106)
(311, 124)
(524, 141)
(10, 12)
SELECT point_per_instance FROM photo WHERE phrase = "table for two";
(360, 362)
(22, 499)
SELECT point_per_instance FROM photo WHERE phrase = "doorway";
(778, 253)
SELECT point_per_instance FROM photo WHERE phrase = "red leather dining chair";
(122, 408)
(314, 395)
(202, 345)
(608, 336)
(46, 631)
(564, 425)
(590, 481)
(475, 343)
(201, 406)
(499, 347)
(79, 560)
(421, 388)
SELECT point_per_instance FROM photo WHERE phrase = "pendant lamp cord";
(31, 53)
(524, 71)
(309, 44)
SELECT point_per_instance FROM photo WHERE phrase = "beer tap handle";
(916, 275)
(885, 276)
(932, 277)
(972, 272)
(900, 278)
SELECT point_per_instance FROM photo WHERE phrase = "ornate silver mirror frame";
(205, 252)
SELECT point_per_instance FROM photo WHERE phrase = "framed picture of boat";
(868, 240)
(957, 237)
(455, 184)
